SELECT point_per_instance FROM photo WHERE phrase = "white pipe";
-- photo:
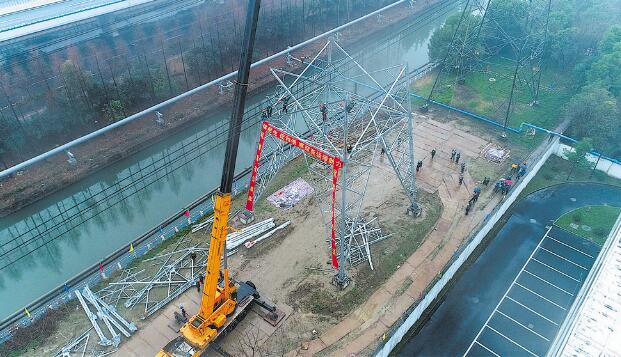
(266, 235)
(165, 103)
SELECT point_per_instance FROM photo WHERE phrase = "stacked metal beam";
(113, 321)
(235, 239)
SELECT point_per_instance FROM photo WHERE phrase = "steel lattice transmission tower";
(354, 114)
(504, 39)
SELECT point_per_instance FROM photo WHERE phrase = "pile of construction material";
(270, 233)
(245, 235)
(112, 320)
(361, 236)
(262, 230)
(80, 348)
(494, 153)
(178, 270)
(207, 223)
(291, 194)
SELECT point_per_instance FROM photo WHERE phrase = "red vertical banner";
(335, 179)
(255, 167)
(337, 164)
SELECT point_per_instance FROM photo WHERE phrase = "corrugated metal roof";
(23, 18)
(596, 328)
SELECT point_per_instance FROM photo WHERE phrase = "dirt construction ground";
(292, 268)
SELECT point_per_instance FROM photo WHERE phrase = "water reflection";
(47, 243)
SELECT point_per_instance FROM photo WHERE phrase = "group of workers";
(266, 112)
(503, 185)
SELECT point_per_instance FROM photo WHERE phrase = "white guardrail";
(415, 315)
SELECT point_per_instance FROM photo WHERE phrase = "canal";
(188, 168)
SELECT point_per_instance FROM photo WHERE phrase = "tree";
(513, 17)
(12, 138)
(594, 113)
(606, 69)
(578, 156)
(250, 343)
(466, 47)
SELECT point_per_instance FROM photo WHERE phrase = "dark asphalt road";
(467, 306)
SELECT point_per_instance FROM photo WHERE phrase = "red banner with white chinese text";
(335, 162)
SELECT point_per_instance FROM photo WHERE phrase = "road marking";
(489, 350)
(547, 282)
(507, 291)
(569, 246)
(556, 270)
(521, 324)
(541, 296)
(533, 311)
(510, 340)
(576, 264)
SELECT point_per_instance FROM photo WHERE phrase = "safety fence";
(462, 255)
(96, 199)
(520, 129)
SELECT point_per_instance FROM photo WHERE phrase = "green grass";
(598, 221)
(556, 171)
(490, 98)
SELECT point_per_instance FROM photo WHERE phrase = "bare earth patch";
(292, 268)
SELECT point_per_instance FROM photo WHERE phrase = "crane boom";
(218, 303)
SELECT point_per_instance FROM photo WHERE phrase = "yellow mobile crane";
(222, 305)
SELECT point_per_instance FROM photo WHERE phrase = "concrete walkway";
(364, 328)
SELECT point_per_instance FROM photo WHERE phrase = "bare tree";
(250, 344)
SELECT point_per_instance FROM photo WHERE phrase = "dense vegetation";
(48, 98)
(576, 53)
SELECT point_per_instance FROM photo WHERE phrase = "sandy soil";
(292, 268)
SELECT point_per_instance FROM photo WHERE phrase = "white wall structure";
(611, 168)
(448, 275)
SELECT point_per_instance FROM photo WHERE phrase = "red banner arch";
(335, 162)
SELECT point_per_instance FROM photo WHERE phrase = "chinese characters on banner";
(335, 179)
(255, 168)
(335, 162)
